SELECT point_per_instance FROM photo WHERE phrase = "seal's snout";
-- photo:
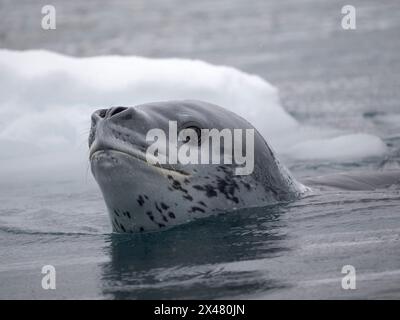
(104, 114)
(112, 115)
(121, 129)
(116, 110)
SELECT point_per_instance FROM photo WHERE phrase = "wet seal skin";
(143, 197)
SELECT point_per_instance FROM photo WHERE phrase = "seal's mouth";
(131, 153)
(104, 145)
(136, 155)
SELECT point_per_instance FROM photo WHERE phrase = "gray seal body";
(142, 197)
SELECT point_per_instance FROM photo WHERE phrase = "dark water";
(326, 76)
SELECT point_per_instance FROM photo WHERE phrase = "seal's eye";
(197, 130)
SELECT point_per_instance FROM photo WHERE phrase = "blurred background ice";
(327, 77)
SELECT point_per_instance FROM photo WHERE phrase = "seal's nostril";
(116, 110)
(102, 113)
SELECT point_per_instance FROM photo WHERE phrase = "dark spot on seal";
(140, 200)
(118, 225)
(127, 214)
(188, 196)
(186, 181)
(116, 212)
(150, 215)
(141, 229)
(226, 169)
(210, 191)
(165, 218)
(247, 185)
(164, 206)
(146, 197)
(115, 225)
(171, 215)
(122, 227)
(202, 203)
(228, 185)
(161, 225)
(157, 207)
(194, 209)
(178, 186)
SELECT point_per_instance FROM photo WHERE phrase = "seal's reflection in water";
(214, 257)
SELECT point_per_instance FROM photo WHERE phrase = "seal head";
(143, 195)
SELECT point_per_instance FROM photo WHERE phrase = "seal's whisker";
(82, 143)
(87, 171)
(84, 133)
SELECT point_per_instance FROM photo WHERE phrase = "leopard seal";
(142, 197)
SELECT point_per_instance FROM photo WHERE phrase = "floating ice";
(345, 147)
(46, 100)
